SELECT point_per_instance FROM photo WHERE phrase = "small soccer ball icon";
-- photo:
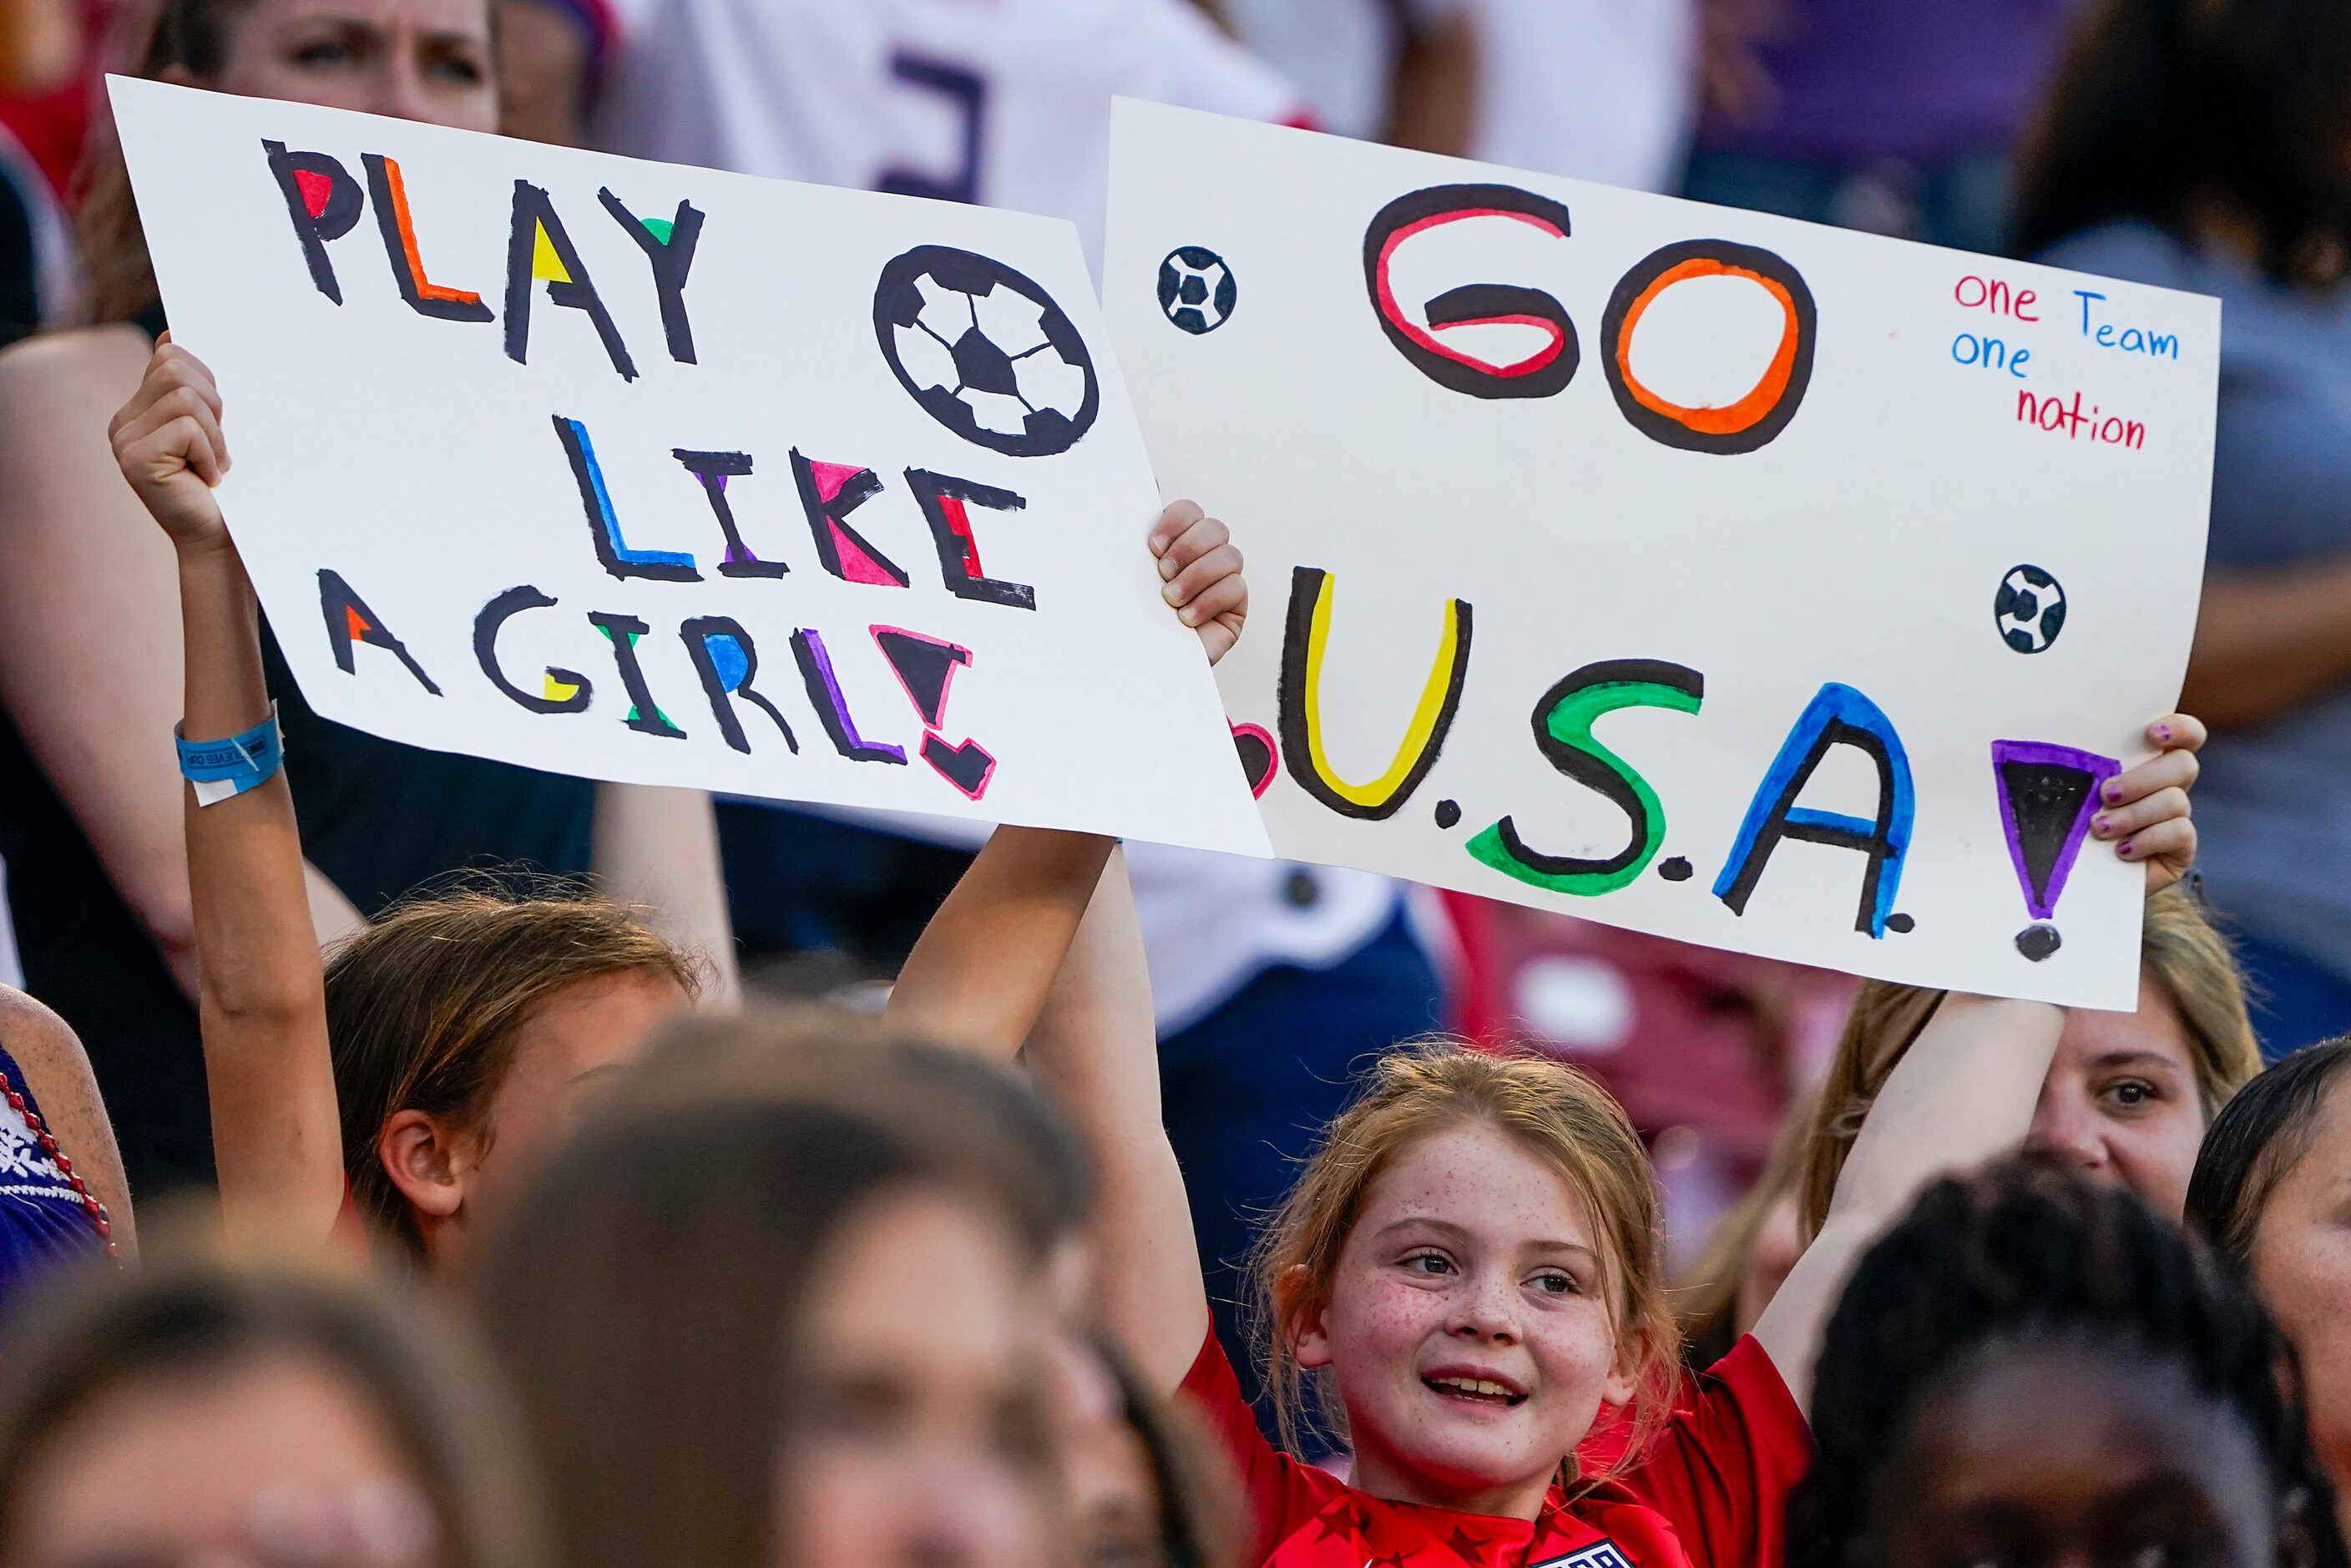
(2030, 609)
(985, 351)
(1197, 289)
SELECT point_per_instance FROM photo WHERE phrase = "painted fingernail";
(2111, 791)
(2124, 848)
(2099, 824)
(2163, 732)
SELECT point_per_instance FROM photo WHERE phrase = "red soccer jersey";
(1710, 1495)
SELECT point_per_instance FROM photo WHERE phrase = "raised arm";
(1965, 1092)
(1097, 1049)
(980, 972)
(276, 1135)
(659, 848)
(91, 667)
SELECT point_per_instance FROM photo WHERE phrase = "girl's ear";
(1624, 1380)
(1310, 1343)
(422, 1160)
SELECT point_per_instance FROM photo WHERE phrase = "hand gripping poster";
(1703, 572)
(672, 476)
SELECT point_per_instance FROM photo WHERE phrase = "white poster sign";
(672, 477)
(1763, 585)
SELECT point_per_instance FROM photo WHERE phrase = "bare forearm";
(247, 880)
(979, 975)
(2269, 640)
(1963, 1094)
(659, 848)
(276, 1128)
(1096, 1049)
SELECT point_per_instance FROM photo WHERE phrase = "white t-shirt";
(1002, 102)
(1594, 90)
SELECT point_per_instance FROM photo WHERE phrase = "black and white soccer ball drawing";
(1197, 289)
(985, 351)
(2030, 609)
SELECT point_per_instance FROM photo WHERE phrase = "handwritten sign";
(678, 477)
(1757, 584)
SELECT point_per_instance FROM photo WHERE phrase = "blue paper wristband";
(223, 769)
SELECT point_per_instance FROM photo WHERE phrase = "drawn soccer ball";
(2030, 609)
(985, 351)
(1197, 289)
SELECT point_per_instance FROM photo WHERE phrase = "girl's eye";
(2132, 1092)
(1551, 1281)
(1429, 1263)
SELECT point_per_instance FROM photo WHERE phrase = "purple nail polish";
(2124, 848)
(2163, 732)
(2098, 825)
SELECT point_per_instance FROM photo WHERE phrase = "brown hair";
(119, 281)
(2164, 108)
(1556, 1112)
(422, 1007)
(642, 1292)
(2255, 1144)
(419, 1368)
(2184, 954)
(1200, 1498)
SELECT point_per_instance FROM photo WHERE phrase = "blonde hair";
(2183, 953)
(1555, 1112)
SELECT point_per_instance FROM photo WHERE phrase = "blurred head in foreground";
(2034, 1370)
(199, 1412)
(788, 1305)
(2270, 1191)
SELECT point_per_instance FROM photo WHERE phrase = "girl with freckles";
(1466, 1273)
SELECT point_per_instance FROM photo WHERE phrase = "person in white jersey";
(1401, 71)
(1005, 103)
(1272, 978)
(1594, 90)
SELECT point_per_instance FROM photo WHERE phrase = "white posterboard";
(671, 476)
(1762, 585)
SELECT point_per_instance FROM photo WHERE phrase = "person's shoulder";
(2132, 249)
(77, 353)
(56, 375)
(46, 1048)
(56, 1073)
